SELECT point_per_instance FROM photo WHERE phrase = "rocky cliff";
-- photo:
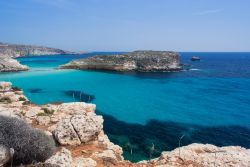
(83, 143)
(13, 51)
(142, 61)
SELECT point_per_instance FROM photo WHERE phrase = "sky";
(127, 25)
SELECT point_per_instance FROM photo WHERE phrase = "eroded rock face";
(9, 65)
(142, 61)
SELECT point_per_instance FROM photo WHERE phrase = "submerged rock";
(80, 95)
(142, 61)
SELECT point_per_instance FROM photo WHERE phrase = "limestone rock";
(84, 162)
(5, 86)
(33, 111)
(43, 120)
(61, 159)
(107, 156)
(104, 140)
(204, 155)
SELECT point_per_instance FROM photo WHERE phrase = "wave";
(195, 69)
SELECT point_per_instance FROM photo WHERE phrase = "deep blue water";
(210, 103)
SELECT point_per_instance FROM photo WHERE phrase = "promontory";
(140, 61)
(13, 51)
(10, 51)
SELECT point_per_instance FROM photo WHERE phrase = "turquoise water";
(210, 103)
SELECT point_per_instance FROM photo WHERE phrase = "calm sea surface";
(210, 103)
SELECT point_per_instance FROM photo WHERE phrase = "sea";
(147, 113)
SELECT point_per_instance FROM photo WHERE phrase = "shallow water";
(208, 103)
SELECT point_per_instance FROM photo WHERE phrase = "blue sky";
(126, 25)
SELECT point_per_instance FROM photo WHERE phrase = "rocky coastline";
(10, 51)
(14, 51)
(83, 143)
(140, 61)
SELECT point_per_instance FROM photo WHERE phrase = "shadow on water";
(140, 142)
(80, 96)
(36, 90)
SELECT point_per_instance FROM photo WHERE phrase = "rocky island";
(81, 141)
(141, 61)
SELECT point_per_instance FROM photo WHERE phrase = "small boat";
(195, 58)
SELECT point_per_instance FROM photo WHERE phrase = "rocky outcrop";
(10, 65)
(13, 51)
(203, 155)
(83, 143)
(142, 61)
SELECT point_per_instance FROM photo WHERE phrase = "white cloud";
(206, 12)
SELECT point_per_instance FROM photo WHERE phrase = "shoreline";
(98, 150)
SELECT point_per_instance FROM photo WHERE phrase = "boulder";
(87, 126)
(78, 129)
(65, 134)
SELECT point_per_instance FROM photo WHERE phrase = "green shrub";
(43, 114)
(22, 99)
(16, 89)
(48, 111)
(30, 145)
(5, 99)
(26, 103)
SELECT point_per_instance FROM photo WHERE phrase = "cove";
(208, 103)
